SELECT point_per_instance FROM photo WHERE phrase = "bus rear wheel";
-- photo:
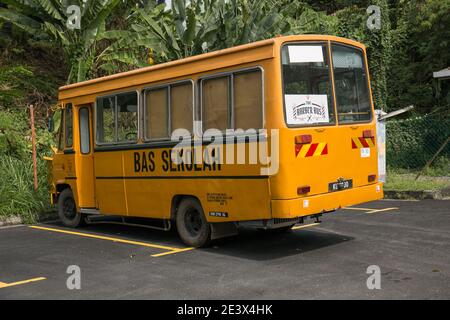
(191, 223)
(67, 210)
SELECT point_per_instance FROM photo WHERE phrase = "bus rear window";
(351, 84)
(307, 85)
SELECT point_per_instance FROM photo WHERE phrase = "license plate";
(340, 185)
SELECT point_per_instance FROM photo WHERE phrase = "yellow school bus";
(264, 134)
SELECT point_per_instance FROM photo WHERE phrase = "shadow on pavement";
(259, 245)
(249, 244)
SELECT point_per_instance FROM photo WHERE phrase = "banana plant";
(160, 34)
(47, 20)
(157, 35)
(150, 33)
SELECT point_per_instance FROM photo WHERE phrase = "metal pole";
(33, 143)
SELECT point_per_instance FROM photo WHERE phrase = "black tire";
(67, 210)
(191, 223)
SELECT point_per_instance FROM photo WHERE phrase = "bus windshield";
(351, 85)
(307, 85)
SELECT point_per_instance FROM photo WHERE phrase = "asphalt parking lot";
(408, 240)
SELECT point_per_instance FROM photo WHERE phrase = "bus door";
(63, 163)
(329, 110)
(85, 159)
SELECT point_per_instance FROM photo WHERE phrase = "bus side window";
(216, 103)
(248, 100)
(127, 128)
(85, 144)
(181, 106)
(239, 108)
(116, 118)
(352, 87)
(68, 120)
(60, 114)
(157, 113)
(105, 110)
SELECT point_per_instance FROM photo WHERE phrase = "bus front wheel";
(191, 223)
(67, 210)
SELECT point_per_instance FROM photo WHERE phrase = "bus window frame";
(89, 129)
(331, 77)
(231, 74)
(167, 85)
(61, 133)
(369, 89)
(117, 143)
(68, 148)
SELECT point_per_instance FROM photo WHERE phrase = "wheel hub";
(69, 208)
(193, 222)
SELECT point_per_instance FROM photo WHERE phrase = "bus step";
(131, 221)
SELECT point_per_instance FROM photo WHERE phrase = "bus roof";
(109, 83)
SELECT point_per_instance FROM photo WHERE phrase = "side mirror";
(51, 124)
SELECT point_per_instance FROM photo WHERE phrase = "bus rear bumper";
(317, 204)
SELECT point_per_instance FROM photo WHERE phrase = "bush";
(411, 143)
(17, 195)
(13, 81)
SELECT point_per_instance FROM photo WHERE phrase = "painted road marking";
(369, 210)
(170, 250)
(382, 210)
(359, 209)
(402, 200)
(7, 285)
(11, 227)
(305, 226)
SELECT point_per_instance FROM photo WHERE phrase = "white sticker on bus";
(302, 54)
(306, 108)
(365, 152)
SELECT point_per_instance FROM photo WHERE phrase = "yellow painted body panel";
(325, 202)
(108, 181)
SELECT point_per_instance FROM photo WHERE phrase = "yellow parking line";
(7, 285)
(359, 209)
(305, 226)
(382, 210)
(371, 210)
(88, 235)
(171, 252)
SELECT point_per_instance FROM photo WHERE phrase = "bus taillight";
(300, 141)
(303, 190)
(368, 134)
(303, 139)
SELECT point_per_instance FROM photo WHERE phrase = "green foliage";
(12, 128)
(353, 25)
(407, 182)
(13, 81)
(411, 143)
(15, 135)
(17, 195)
(440, 167)
(420, 47)
(379, 51)
(47, 19)
(204, 26)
